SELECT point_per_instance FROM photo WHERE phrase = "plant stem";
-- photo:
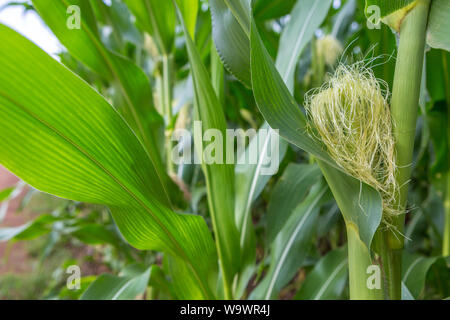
(446, 238)
(166, 99)
(404, 105)
(358, 263)
(359, 258)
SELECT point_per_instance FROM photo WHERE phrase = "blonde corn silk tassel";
(350, 115)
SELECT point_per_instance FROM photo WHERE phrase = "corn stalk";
(404, 106)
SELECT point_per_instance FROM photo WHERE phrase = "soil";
(14, 257)
(18, 258)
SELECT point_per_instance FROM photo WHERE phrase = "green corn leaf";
(158, 19)
(249, 183)
(291, 189)
(219, 176)
(182, 285)
(306, 17)
(327, 279)
(110, 287)
(415, 269)
(73, 144)
(439, 24)
(360, 204)
(290, 247)
(132, 84)
(230, 21)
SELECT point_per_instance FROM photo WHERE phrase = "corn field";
(227, 150)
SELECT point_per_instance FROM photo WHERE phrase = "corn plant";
(99, 131)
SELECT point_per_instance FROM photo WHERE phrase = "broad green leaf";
(182, 285)
(219, 176)
(110, 287)
(158, 19)
(327, 279)
(290, 190)
(306, 17)
(71, 143)
(359, 203)
(439, 24)
(290, 247)
(415, 269)
(132, 84)
(231, 30)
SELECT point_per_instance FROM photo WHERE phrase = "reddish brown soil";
(17, 255)
(18, 261)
